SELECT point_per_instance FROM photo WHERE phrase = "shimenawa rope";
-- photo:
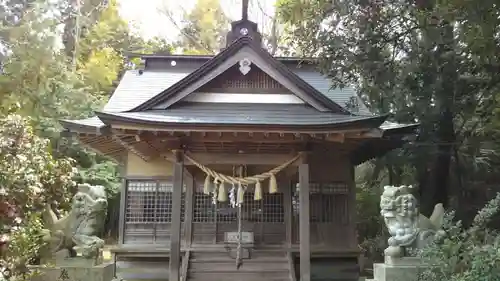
(240, 181)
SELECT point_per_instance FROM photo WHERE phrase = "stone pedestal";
(401, 269)
(74, 271)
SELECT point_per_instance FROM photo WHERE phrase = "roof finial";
(244, 10)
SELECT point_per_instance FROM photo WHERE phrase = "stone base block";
(102, 272)
(397, 270)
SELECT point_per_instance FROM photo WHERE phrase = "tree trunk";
(445, 135)
(438, 191)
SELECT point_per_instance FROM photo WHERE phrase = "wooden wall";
(137, 167)
(332, 207)
(332, 203)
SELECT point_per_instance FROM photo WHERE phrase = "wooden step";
(245, 267)
(254, 253)
(229, 259)
(219, 266)
(240, 276)
(224, 256)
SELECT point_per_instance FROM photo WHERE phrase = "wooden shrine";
(237, 166)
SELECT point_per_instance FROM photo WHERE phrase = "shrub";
(30, 179)
(465, 254)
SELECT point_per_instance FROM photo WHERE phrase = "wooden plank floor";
(137, 271)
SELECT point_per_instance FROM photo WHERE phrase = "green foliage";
(30, 178)
(372, 234)
(465, 254)
(29, 175)
(204, 29)
(39, 80)
(431, 62)
(36, 78)
(369, 223)
(105, 174)
(100, 50)
(156, 45)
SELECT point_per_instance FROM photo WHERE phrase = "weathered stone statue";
(409, 230)
(407, 227)
(81, 228)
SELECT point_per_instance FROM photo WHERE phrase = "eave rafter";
(113, 145)
(129, 145)
(253, 137)
(154, 144)
(103, 145)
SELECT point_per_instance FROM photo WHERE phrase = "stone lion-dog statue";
(407, 227)
(81, 227)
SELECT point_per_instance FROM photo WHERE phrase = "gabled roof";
(136, 87)
(243, 115)
(226, 59)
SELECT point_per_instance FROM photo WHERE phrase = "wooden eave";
(102, 144)
(79, 128)
(227, 53)
(390, 139)
(401, 131)
(360, 143)
(113, 145)
(117, 121)
(372, 148)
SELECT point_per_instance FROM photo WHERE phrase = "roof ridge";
(213, 63)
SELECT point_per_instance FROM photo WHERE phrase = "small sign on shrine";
(233, 237)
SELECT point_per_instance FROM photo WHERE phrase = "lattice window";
(150, 201)
(251, 210)
(273, 208)
(269, 209)
(232, 79)
(329, 202)
(335, 188)
(203, 206)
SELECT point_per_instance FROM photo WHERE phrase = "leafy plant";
(30, 178)
(465, 254)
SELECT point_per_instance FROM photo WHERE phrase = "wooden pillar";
(287, 208)
(304, 217)
(188, 220)
(123, 199)
(175, 237)
(353, 232)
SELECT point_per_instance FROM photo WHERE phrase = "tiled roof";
(243, 114)
(340, 96)
(135, 88)
(95, 122)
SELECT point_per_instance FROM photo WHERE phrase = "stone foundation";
(401, 269)
(75, 272)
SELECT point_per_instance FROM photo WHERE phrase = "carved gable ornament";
(245, 66)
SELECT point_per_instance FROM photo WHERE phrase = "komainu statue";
(407, 227)
(81, 227)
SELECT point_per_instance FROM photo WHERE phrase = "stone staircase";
(221, 266)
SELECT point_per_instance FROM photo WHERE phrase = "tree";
(100, 50)
(38, 81)
(77, 16)
(427, 61)
(30, 179)
(203, 29)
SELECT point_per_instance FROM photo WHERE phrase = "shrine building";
(238, 166)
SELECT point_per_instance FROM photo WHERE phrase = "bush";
(372, 233)
(465, 254)
(30, 179)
